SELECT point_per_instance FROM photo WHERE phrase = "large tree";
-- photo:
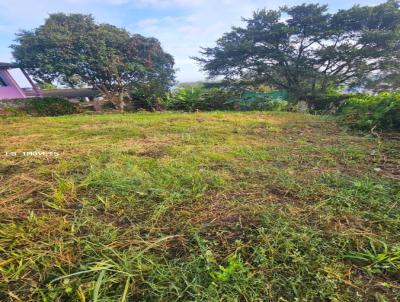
(305, 49)
(74, 50)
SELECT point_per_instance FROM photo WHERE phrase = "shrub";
(365, 112)
(194, 98)
(185, 99)
(327, 104)
(12, 111)
(151, 96)
(215, 99)
(49, 106)
(259, 101)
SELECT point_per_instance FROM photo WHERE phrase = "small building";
(9, 88)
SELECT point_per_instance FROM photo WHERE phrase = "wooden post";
(34, 87)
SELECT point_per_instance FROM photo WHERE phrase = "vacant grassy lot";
(197, 207)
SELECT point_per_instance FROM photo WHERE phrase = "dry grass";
(197, 207)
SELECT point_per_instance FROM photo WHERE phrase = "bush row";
(197, 98)
(46, 106)
(366, 112)
(358, 111)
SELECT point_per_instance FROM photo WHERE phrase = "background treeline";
(357, 110)
(300, 58)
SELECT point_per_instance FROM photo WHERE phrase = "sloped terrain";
(197, 207)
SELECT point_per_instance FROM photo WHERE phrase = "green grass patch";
(197, 207)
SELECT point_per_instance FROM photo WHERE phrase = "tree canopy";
(306, 50)
(74, 50)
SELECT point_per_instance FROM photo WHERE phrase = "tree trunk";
(121, 102)
(116, 98)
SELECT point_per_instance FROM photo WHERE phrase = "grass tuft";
(197, 207)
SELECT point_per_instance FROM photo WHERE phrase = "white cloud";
(182, 26)
(182, 36)
(148, 23)
(203, 23)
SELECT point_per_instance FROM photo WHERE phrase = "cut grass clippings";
(197, 207)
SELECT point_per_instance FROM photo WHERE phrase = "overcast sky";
(182, 26)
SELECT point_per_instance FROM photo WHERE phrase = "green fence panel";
(278, 94)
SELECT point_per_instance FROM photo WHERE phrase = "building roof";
(7, 65)
(4, 65)
(70, 93)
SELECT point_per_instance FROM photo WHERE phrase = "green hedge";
(365, 112)
(199, 98)
(194, 98)
(274, 101)
(46, 106)
(50, 106)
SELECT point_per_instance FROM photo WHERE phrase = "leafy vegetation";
(74, 50)
(217, 206)
(306, 50)
(203, 98)
(260, 101)
(49, 106)
(366, 112)
(45, 106)
(197, 207)
(197, 97)
(379, 260)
